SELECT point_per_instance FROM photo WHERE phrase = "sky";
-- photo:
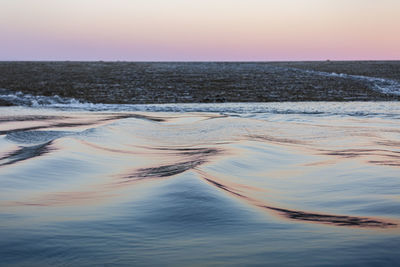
(199, 30)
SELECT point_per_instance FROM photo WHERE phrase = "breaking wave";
(386, 108)
(22, 99)
(385, 86)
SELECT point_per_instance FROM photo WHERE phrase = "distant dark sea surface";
(202, 82)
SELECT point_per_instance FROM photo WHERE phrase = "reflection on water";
(25, 153)
(217, 188)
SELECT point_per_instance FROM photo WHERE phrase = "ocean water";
(238, 184)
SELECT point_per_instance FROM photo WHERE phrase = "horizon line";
(199, 61)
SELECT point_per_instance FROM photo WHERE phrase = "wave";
(386, 108)
(22, 99)
(381, 85)
(25, 153)
(231, 153)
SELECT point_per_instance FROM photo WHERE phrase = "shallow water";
(201, 184)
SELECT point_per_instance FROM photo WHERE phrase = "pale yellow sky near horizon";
(199, 30)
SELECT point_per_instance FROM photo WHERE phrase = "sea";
(227, 184)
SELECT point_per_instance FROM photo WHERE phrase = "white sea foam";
(22, 99)
(391, 109)
(385, 86)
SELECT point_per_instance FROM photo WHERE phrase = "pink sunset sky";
(199, 30)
